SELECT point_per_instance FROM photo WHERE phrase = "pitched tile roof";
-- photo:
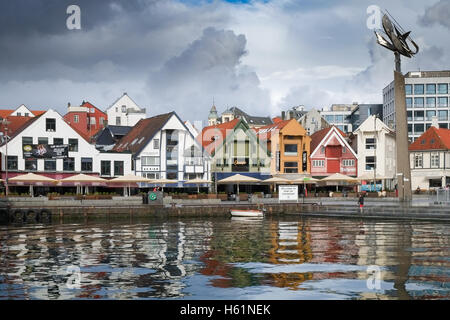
(16, 124)
(318, 136)
(432, 139)
(7, 112)
(207, 137)
(265, 133)
(142, 133)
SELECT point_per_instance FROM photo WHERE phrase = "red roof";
(265, 133)
(207, 137)
(318, 136)
(15, 125)
(277, 119)
(432, 139)
(6, 112)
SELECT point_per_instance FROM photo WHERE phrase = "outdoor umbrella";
(129, 179)
(83, 179)
(162, 182)
(277, 180)
(31, 178)
(237, 179)
(198, 182)
(306, 180)
(339, 178)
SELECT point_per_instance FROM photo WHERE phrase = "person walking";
(361, 202)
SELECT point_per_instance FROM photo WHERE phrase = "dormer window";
(50, 124)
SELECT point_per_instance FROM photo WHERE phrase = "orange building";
(289, 146)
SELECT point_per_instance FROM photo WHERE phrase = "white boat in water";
(246, 213)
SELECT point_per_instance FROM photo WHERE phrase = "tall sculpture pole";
(400, 47)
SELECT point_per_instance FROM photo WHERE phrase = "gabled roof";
(319, 136)
(265, 133)
(206, 138)
(432, 139)
(7, 112)
(140, 135)
(16, 125)
(110, 134)
(251, 120)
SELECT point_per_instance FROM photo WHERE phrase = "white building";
(125, 112)
(427, 96)
(163, 147)
(51, 129)
(375, 146)
(339, 115)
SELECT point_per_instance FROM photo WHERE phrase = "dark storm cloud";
(439, 13)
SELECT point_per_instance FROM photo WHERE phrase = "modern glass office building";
(427, 100)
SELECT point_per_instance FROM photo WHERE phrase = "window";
(339, 118)
(58, 141)
(418, 163)
(322, 150)
(118, 168)
(156, 144)
(12, 163)
(419, 128)
(435, 160)
(76, 118)
(117, 121)
(431, 102)
(418, 102)
(371, 143)
(19, 114)
(86, 164)
(348, 162)
(49, 165)
(92, 120)
(27, 114)
(418, 89)
(408, 89)
(102, 121)
(27, 140)
(344, 149)
(418, 115)
(124, 109)
(105, 168)
(290, 150)
(69, 164)
(329, 118)
(318, 163)
(290, 167)
(408, 102)
(42, 140)
(371, 163)
(50, 124)
(430, 114)
(410, 129)
(92, 110)
(443, 115)
(442, 88)
(409, 114)
(442, 102)
(443, 125)
(150, 161)
(73, 145)
(431, 89)
(151, 175)
(172, 175)
(31, 165)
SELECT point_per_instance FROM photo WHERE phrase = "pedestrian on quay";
(361, 202)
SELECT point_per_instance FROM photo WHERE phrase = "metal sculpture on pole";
(399, 45)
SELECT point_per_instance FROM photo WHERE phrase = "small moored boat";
(246, 213)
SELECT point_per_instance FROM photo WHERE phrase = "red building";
(86, 119)
(330, 153)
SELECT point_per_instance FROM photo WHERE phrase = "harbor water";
(226, 258)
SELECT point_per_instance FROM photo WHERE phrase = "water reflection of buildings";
(117, 261)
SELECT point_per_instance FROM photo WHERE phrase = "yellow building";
(289, 147)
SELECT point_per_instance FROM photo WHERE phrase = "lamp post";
(375, 135)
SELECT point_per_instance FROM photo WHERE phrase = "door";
(333, 166)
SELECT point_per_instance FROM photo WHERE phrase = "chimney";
(283, 115)
(68, 105)
(291, 114)
(434, 122)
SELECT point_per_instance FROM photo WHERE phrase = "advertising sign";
(288, 193)
(305, 161)
(45, 151)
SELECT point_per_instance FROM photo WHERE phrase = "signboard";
(288, 193)
(370, 187)
(304, 161)
(45, 151)
(277, 160)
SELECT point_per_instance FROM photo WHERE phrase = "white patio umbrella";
(129, 179)
(338, 178)
(198, 182)
(163, 182)
(237, 179)
(83, 179)
(31, 178)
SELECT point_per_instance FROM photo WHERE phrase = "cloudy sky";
(262, 56)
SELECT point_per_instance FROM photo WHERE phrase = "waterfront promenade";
(421, 208)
